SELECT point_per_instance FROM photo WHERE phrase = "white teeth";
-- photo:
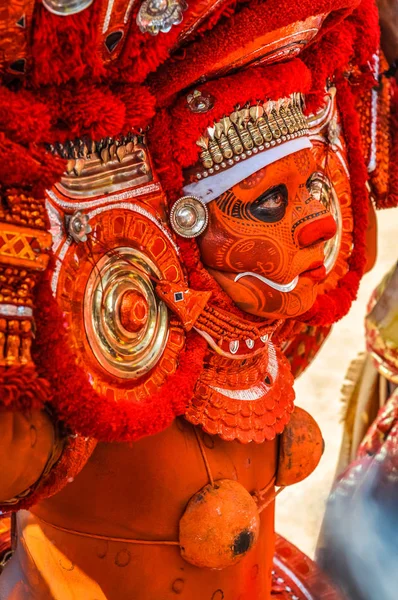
(249, 343)
(280, 287)
(234, 346)
(264, 338)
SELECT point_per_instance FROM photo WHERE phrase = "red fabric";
(70, 48)
(302, 346)
(91, 414)
(28, 168)
(251, 22)
(330, 56)
(97, 111)
(85, 109)
(139, 105)
(294, 575)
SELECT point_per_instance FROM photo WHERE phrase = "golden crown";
(112, 164)
(250, 130)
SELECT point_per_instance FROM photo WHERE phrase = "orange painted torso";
(140, 491)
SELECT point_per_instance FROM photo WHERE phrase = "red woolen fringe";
(71, 48)
(365, 19)
(87, 110)
(59, 113)
(143, 53)
(66, 48)
(28, 169)
(335, 52)
(140, 104)
(28, 121)
(22, 389)
(224, 11)
(91, 414)
(161, 144)
(25, 119)
(334, 305)
(330, 56)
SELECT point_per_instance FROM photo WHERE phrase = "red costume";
(130, 130)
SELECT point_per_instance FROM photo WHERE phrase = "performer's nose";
(316, 226)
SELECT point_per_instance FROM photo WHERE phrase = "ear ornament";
(189, 216)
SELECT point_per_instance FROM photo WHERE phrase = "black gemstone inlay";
(18, 66)
(22, 22)
(243, 542)
(113, 40)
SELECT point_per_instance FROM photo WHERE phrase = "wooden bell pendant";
(219, 526)
(300, 448)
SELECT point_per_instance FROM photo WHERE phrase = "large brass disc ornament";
(120, 332)
(126, 324)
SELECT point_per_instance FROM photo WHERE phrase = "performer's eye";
(271, 205)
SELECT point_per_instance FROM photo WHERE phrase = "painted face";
(265, 240)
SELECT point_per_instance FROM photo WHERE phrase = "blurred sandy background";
(299, 509)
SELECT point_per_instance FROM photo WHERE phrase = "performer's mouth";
(316, 271)
(280, 287)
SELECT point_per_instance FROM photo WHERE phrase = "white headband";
(211, 187)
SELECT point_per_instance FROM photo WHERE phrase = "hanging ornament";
(219, 526)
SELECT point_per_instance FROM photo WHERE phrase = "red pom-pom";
(22, 389)
(86, 109)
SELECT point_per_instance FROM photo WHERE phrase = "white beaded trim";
(12, 310)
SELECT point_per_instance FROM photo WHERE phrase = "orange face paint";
(265, 240)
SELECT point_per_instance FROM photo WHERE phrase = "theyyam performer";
(185, 207)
